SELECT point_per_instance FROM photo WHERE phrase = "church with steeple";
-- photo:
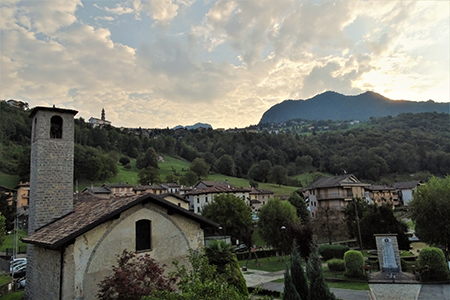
(99, 122)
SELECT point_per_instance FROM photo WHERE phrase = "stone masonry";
(51, 189)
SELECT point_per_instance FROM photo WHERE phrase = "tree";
(171, 178)
(2, 229)
(278, 175)
(300, 205)
(200, 167)
(149, 175)
(381, 219)
(231, 212)
(189, 178)
(359, 206)
(431, 210)
(318, 289)
(328, 224)
(124, 160)
(220, 254)
(272, 217)
(225, 165)
(7, 212)
(147, 159)
(133, 277)
(298, 275)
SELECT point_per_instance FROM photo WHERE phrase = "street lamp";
(283, 236)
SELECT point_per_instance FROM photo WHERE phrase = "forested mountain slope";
(407, 144)
(335, 106)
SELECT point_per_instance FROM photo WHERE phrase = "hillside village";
(79, 235)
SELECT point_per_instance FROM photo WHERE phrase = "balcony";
(336, 195)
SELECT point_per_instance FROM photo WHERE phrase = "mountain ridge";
(334, 106)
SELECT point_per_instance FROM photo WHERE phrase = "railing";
(335, 195)
(20, 249)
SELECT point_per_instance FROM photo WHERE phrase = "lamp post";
(283, 239)
(357, 224)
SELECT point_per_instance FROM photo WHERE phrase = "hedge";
(354, 264)
(332, 251)
(433, 264)
(336, 265)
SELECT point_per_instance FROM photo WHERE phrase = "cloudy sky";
(160, 63)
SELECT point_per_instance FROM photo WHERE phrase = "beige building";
(82, 247)
(259, 197)
(23, 197)
(334, 192)
(377, 194)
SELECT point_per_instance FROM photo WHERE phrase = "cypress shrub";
(432, 262)
(332, 251)
(318, 289)
(354, 264)
(336, 265)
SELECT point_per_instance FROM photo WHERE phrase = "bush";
(336, 265)
(332, 251)
(124, 160)
(432, 262)
(127, 166)
(354, 264)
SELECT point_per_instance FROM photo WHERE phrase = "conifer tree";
(318, 289)
(290, 292)
(298, 275)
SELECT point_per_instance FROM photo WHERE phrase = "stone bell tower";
(51, 168)
(51, 193)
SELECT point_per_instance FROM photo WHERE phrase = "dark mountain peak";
(335, 106)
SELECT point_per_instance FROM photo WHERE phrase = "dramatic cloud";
(159, 63)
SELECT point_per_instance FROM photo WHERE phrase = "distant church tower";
(103, 115)
(51, 178)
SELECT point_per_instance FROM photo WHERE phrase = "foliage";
(92, 164)
(328, 224)
(278, 175)
(431, 210)
(231, 212)
(318, 289)
(225, 165)
(303, 236)
(200, 167)
(124, 160)
(7, 214)
(189, 178)
(290, 292)
(149, 175)
(433, 264)
(300, 205)
(133, 277)
(357, 205)
(298, 275)
(354, 264)
(201, 281)
(147, 159)
(332, 251)
(272, 216)
(381, 219)
(336, 265)
(220, 255)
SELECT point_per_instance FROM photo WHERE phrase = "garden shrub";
(432, 262)
(354, 264)
(336, 265)
(332, 251)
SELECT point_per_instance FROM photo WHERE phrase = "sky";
(162, 63)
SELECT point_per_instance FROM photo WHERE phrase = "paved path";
(380, 291)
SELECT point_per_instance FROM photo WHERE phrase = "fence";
(20, 250)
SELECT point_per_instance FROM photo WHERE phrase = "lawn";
(5, 279)
(268, 264)
(13, 296)
(9, 241)
(10, 181)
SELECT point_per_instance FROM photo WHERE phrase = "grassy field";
(13, 296)
(10, 181)
(9, 241)
(271, 264)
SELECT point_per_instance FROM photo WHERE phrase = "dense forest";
(416, 144)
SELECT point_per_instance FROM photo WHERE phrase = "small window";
(143, 235)
(198, 200)
(206, 199)
(56, 123)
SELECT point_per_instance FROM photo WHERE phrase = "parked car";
(19, 271)
(14, 266)
(21, 283)
(241, 248)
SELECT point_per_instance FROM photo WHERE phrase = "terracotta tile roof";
(117, 185)
(380, 188)
(255, 191)
(342, 180)
(89, 213)
(406, 185)
(218, 189)
(98, 190)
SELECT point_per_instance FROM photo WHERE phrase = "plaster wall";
(95, 252)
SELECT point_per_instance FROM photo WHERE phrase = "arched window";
(143, 235)
(56, 125)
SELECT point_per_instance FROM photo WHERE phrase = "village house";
(73, 245)
(259, 197)
(119, 189)
(205, 191)
(333, 192)
(22, 197)
(99, 122)
(377, 194)
(153, 189)
(99, 192)
(406, 190)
